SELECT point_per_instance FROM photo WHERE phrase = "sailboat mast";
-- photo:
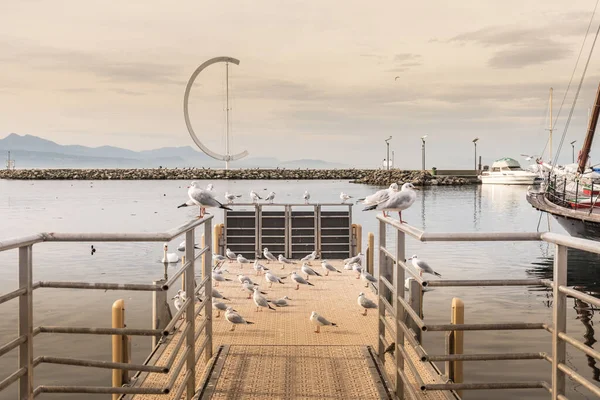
(227, 115)
(589, 137)
(550, 129)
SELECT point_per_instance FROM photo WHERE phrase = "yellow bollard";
(217, 233)
(357, 231)
(118, 321)
(458, 317)
(371, 253)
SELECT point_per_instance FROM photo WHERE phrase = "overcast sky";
(316, 78)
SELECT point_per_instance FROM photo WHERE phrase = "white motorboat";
(508, 171)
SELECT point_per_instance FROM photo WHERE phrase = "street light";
(475, 143)
(573, 147)
(423, 151)
(387, 142)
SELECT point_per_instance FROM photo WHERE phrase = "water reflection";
(585, 313)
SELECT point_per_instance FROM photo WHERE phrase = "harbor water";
(28, 207)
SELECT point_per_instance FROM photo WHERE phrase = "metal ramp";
(294, 372)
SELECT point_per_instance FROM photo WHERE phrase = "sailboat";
(571, 193)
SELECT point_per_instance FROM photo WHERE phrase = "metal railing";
(408, 324)
(24, 375)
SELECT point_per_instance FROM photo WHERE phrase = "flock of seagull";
(354, 264)
(385, 200)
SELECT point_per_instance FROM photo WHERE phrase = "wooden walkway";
(280, 356)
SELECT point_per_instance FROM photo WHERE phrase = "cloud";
(127, 92)
(403, 57)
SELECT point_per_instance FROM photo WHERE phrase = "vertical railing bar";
(398, 307)
(208, 293)
(26, 322)
(257, 230)
(190, 279)
(559, 319)
(380, 293)
(352, 246)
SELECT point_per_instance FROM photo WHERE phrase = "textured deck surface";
(287, 331)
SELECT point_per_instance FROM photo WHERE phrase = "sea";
(28, 207)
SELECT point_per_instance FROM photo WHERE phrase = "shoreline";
(364, 176)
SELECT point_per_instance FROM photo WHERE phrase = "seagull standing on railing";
(231, 197)
(202, 198)
(398, 201)
(378, 196)
(344, 197)
(270, 197)
(423, 267)
(254, 196)
(306, 197)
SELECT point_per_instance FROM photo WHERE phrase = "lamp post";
(573, 148)
(387, 142)
(475, 144)
(423, 152)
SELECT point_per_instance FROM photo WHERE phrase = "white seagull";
(209, 187)
(328, 267)
(270, 197)
(319, 321)
(217, 295)
(268, 255)
(423, 267)
(310, 257)
(309, 271)
(202, 198)
(219, 306)
(284, 260)
(281, 302)
(344, 197)
(254, 196)
(258, 267)
(231, 255)
(182, 246)
(367, 277)
(397, 201)
(377, 196)
(272, 278)
(355, 259)
(235, 318)
(300, 280)
(169, 257)
(306, 197)
(219, 278)
(231, 197)
(260, 300)
(365, 303)
(242, 260)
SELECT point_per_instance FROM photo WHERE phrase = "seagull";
(284, 260)
(219, 278)
(258, 267)
(209, 187)
(328, 267)
(309, 271)
(230, 197)
(230, 254)
(242, 260)
(218, 258)
(202, 198)
(378, 196)
(273, 278)
(260, 300)
(365, 302)
(344, 197)
(397, 201)
(169, 257)
(181, 246)
(219, 306)
(249, 287)
(306, 197)
(268, 255)
(423, 267)
(299, 280)
(367, 277)
(178, 303)
(244, 278)
(348, 266)
(281, 302)
(356, 259)
(356, 267)
(254, 196)
(310, 257)
(216, 295)
(319, 321)
(235, 318)
(270, 197)
(93, 250)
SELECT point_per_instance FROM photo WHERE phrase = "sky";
(324, 79)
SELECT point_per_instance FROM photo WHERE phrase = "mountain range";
(30, 151)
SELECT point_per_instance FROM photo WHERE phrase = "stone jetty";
(365, 176)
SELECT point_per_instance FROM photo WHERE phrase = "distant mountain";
(34, 152)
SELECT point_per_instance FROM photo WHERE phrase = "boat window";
(515, 168)
(495, 169)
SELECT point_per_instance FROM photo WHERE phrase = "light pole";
(475, 143)
(387, 142)
(573, 147)
(423, 152)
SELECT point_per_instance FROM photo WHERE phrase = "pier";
(383, 355)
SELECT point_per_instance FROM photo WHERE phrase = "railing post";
(457, 343)
(26, 322)
(380, 293)
(118, 321)
(399, 309)
(161, 312)
(415, 293)
(371, 254)
(207, 268)
(559, 320)
(189, 312)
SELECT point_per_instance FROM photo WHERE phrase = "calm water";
(144, 206)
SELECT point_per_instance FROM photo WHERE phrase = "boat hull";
(509, 180)
(579, 228)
